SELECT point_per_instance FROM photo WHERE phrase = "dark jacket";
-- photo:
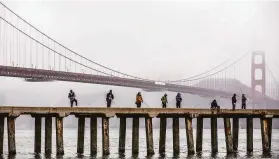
(214, 104)
(178, 98)
(234, 99)
(110, 96)
(244, 100)
(72, 95)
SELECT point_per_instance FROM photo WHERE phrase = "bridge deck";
(132, 112)
(106, 80)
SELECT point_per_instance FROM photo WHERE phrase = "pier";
(231, 130)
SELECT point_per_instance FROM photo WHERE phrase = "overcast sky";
(159, 40)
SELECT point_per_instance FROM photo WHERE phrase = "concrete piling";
(264, 132)
(235, 133)
(38, 134)
(199, 134)
(176, 144)
(214, 135)
(11, 135)
(189, 135)
(149, 136)
(2, 124)
(93, 136)
(59, 136)
(135, 137)
(269, 124)
(80, 138)
(122, 135)
(249, 134)
(162, 140)
(48, 134)
(105, 131)
(228, 135)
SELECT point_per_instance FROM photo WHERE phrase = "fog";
(157, 40)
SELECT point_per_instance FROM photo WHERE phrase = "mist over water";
(25, 144)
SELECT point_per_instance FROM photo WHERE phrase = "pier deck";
(139, 112)
(230, 130)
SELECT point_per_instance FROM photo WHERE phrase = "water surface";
(25, 145)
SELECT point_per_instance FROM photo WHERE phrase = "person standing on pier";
(139, 100)
(109, 98)
(72, 97)
(243, 105)
(164, 100)
(178, 100)
(234, 101)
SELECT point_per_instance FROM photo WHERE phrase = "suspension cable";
(207, 71)
(31, 38)
(70, 49)
(272, 75)
(215, 72)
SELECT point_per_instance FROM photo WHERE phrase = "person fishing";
(214, 105)
(139, 100)
(72, 97)
(244, 99)
(164, 100)
(178, 100)
(234, 101)
(109, 98)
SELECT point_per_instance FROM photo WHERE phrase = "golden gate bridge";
(26, 52)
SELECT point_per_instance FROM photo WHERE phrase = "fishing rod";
(113, 102)
(241, 90)
(145, 103)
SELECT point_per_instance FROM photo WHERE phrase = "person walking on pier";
(178, 100)
(243, 105)
(72, 97)
(234, 101)
(164, 100)
(109, 98)
(139, 100)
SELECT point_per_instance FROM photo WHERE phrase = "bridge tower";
(258, 78)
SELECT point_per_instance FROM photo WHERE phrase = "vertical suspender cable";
(31, 63)
(54, 55)
(65, 60)
(59, 61)
(43, 50)
(37, 53)
(48, 56)
(10, 45)
(18, 40)
(70, 61)
(5, 39)
(25, 49)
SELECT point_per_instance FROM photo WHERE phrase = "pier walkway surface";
(140, 112)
